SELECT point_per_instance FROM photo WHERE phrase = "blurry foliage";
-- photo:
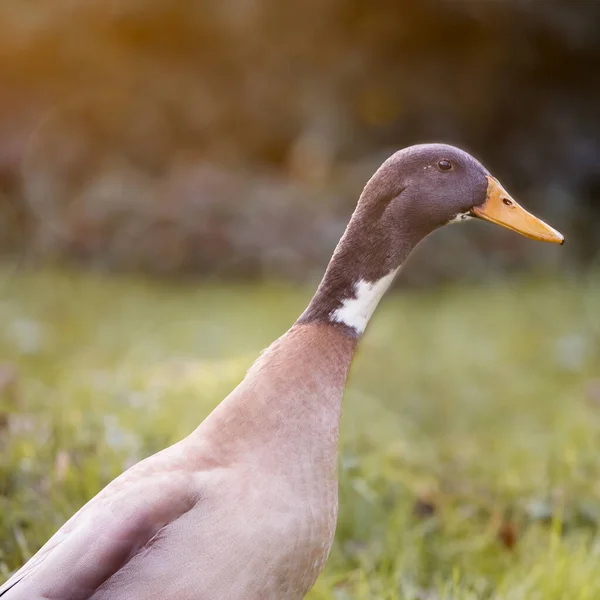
(233, 137)
(470, 433)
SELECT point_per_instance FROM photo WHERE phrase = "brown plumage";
(245, 507)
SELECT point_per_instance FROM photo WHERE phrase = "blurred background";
(233, 138)
(174, 177)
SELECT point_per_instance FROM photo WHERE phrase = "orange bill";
(501, 209)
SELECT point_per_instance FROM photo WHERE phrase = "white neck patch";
(356, 312)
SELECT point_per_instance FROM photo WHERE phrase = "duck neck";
(362, 268)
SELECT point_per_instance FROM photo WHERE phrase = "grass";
(470, 452)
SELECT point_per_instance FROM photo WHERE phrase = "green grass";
(481, 404)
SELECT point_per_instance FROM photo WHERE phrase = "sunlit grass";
(470, 458)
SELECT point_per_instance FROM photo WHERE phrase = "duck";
(245, 507)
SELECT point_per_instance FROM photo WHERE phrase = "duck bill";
(501, 209)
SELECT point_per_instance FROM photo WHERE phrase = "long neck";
(362, 268)
(289, 404)
(294, 390)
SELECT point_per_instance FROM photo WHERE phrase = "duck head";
(413, 193)
(430, 185)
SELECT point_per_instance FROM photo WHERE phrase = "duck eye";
(445, 165)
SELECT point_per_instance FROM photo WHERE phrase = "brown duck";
(245, 507)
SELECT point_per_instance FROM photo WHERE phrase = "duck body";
(245, 507)
(252, 490)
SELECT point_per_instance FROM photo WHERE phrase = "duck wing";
(105, 534)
